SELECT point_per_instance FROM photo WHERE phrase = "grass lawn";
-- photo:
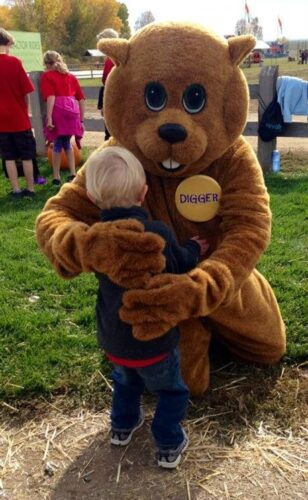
(285, 69)
(90, 82)
(252, 74)
(47, 325)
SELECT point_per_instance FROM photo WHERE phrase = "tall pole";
(247, 17)
(37, 113)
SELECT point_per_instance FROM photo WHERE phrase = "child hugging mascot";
(178, 100)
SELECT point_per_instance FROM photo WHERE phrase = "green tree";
(50, 17)
(85, 19)
(69, 26)
(6, 19)
(45, 16)
(23, 15)
(123, 15)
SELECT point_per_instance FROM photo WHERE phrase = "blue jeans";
(162, 379)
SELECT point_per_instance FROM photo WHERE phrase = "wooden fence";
(265, 89)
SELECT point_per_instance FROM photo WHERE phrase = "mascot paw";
(150, 331)
(128, 255)
(167, 300)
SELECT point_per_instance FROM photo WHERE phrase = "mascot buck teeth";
(178, 100)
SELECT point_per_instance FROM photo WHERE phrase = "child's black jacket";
(115, 336)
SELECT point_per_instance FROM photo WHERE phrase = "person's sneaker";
(26, 193)
(56, 182)
(40, 180)
(169, 459)
(123, 438)
(16, 195)
(70, 178)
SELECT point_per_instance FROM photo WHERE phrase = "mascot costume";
(178, 100)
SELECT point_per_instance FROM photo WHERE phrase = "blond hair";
(114, 177)
(54, 60)
(6, 38)
(107, 33)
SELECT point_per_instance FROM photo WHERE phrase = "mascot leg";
(194, 346)
(251, 325)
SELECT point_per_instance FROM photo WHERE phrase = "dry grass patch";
(248, 438)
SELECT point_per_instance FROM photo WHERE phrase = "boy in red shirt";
(16, 137)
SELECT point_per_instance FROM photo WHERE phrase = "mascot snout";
(172, 133)
(173, 140)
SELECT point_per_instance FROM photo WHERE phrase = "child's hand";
(203, 244)
(50, 125)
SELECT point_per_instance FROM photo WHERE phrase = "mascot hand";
(124, 252)
(167, 300)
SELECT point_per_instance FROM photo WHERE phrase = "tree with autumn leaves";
(68, 26)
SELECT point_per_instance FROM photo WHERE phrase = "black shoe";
(26, 193)
(169, 459)
(56, 182)
(70, 178)
(16, 195)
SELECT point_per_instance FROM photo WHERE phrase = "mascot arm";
(246, 224)
(70, 236)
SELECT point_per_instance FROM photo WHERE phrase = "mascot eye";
(194, 98)
(155, 96)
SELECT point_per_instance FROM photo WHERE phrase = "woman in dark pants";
(108, 65)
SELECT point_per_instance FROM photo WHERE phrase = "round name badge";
(197, 198)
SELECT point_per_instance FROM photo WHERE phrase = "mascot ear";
(115, 48)
(240, 46)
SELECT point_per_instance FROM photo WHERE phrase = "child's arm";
(81, 104)
(79, 95)
(72, 238)
(203, 245)
(184, 258)
(50, 106)
(179, 260)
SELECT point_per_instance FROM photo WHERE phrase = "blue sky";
(221, 15)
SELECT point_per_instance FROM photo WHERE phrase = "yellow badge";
(197, 198)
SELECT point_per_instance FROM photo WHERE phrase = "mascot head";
(176, 98)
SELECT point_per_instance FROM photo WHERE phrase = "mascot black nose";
(172, 132)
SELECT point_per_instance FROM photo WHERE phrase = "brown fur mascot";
(178, 100)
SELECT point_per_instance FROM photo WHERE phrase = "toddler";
(116, 183)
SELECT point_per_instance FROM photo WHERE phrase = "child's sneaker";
(40, 180)
(123, 438)
(26, 193)
(169, 459)
(16, 195)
